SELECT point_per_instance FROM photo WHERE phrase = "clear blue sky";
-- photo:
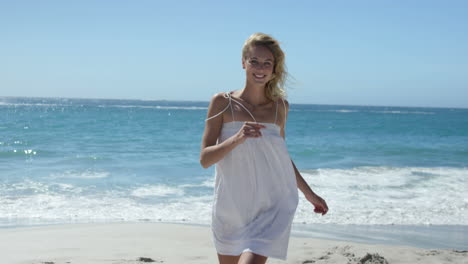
(398, 53)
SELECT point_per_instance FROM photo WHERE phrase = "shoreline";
(419, 236)
(454, 237)
(124, 243)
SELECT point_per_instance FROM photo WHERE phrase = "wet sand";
(125, 243)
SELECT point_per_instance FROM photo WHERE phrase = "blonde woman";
(256, 181)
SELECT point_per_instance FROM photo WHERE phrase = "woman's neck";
(254, 95)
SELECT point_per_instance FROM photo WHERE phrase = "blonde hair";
(275, 88)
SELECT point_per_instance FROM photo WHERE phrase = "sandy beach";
(125, 243)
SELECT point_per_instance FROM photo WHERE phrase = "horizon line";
(196, 101)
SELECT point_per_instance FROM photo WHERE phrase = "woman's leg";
(252, 258)
(225, 259)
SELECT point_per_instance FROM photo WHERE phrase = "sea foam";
(362, 195)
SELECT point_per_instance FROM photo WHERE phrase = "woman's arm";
(317, 201)
(212, 152)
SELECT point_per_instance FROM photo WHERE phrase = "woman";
(256, 181)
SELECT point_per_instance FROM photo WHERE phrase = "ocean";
(100, 160)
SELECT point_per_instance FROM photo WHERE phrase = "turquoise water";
(83, 160)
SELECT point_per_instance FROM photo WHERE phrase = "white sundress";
(255, 194)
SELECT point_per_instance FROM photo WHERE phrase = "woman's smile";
(259, 76)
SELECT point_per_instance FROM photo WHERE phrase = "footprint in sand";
(352, 259)
(373, 259)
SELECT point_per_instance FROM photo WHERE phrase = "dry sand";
(129, 243)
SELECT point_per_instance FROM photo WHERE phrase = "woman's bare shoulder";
(283, 109)
(219, 102)
(284, 104)
(219, 98)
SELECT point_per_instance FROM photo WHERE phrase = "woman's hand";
(319, 204)
(249, 130)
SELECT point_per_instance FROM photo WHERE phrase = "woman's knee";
(252, 258)
(226, 259)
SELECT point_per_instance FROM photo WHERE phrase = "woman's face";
(259, 64)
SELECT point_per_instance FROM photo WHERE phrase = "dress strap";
(226, 95)
(285, 112)
(276, 112)
(230, 104)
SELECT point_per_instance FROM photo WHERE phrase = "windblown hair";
(275, 88)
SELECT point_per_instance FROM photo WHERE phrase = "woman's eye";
(268, 64)
(253, 62)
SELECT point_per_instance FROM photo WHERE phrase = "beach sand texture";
(129, 243)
